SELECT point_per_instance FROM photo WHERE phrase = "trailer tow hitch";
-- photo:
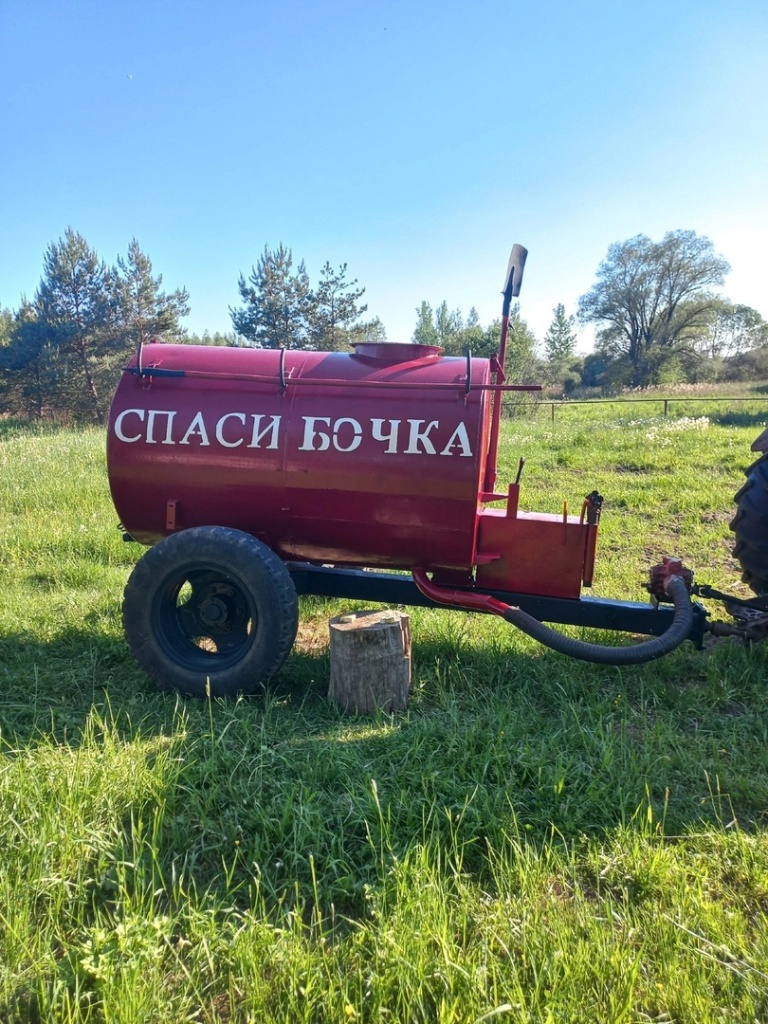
(750, 616)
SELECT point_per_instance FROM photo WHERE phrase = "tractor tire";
(210, 612)
(750, 525)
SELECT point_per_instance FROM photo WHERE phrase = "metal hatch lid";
(392, 352)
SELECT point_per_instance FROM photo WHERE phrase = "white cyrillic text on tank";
(319, 433)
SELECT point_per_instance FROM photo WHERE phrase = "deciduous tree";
(522, 366)
(449, 323)
(653, 295)
(469, 337)
(731, 328)
(457, 336)
(218, 339)
(425, 332)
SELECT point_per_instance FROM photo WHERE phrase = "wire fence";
(664, 404)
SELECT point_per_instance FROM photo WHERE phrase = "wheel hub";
(213, 612)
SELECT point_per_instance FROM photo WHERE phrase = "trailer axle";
(591, 612)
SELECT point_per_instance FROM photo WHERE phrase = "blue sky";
(414, 141)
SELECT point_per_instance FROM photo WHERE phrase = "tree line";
(654, 306)
(62, 351)
(657, 317)
(659, 320)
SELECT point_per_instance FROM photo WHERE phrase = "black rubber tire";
(210, 611)
(750, 525)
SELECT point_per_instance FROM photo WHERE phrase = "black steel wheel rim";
(204, 618)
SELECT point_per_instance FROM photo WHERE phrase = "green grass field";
(535, 840)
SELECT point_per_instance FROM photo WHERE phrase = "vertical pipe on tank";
(512, 284)
(497, 377)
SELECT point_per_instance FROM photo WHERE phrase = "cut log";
(370, 661)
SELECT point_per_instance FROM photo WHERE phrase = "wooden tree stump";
(370, 661)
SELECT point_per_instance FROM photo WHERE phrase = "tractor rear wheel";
(210, 611)
(750, 525)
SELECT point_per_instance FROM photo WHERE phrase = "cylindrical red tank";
(373, 458)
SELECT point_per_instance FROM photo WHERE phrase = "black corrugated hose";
(637, 654)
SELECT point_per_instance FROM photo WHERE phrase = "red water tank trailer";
(372, 459)
(239, 465)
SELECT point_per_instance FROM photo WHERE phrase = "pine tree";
(30, 367)
(142, 311)
(276, 302)
(6, 327)
(560, 339)
(73, 313)
(334, 311)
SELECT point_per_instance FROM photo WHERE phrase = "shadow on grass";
(740, 418)
(15, 427)
(496, 741)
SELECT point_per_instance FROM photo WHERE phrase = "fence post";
(666, 406)
(553, 412)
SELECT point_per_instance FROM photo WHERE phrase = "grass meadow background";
(534, 840)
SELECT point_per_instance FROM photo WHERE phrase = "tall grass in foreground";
(535, 840)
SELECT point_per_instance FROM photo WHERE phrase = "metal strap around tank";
(329, 382)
